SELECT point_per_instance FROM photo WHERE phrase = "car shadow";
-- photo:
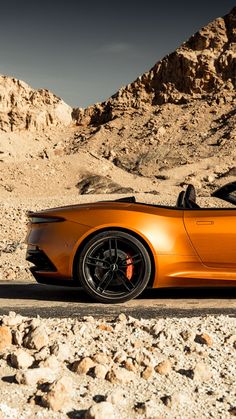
(39, 292)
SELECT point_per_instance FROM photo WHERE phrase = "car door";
(213, 235)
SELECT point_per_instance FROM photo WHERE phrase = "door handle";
(204, 223)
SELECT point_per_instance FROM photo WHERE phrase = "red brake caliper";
(129, 268)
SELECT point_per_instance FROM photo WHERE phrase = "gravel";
(125, 367)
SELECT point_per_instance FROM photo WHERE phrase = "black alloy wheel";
(113, 267)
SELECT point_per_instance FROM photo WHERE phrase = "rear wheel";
(113, 267)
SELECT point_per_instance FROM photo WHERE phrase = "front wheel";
(113, 267)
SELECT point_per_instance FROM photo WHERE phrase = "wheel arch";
(126, 230)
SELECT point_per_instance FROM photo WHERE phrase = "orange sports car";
(115, 249)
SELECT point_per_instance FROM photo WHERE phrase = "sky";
(84, 51)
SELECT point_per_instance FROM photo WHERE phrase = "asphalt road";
(31, 299)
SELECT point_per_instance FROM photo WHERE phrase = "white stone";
(103, 410)
(33, 376)
(21, 359)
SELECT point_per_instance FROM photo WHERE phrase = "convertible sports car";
(115, 249)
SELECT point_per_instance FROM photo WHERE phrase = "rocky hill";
(204, 68)
(182, 111)
(23, 108)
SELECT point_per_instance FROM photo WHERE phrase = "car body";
(135, 245)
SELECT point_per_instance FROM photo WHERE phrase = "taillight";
(40, 220)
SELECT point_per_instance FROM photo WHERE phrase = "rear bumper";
(39, 259)
(44, 270)
(52, 279)
(52, 246)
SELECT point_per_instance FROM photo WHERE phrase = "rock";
(101, 411)
(119, 375)
(34, 323)
(36, 339)
(210, 178)
(164, 367)
(21, 359)
(202, 372)
(231, 339)
(100, 371)
(121, 318)
(42, 354)
(117, 397)
(204, 339)
(187, 335)
(94, 184)
(105, 327)
(51, 362)
(161, 131)
(59, 394)
(61, 350)
(28, 109)
(119, 357)
(89, 319)
(101, 358)
(83, 366)
(140, 408)
(5, 338)
(12, 319)
(17, 337)
(176, 399)
(33, 376)
(129, 365)
(147, 373)
(148, 409)
(232, 411)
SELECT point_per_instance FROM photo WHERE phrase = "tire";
(113, 267)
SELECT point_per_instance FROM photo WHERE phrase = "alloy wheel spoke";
(116, 251)
(105, 281)
(96, 265)
(95, 260)
(110, 249)
(124, 280)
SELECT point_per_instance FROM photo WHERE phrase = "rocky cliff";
(23, 108)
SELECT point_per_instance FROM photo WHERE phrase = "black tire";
(113, 267)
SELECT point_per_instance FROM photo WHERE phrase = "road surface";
(31, 299)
